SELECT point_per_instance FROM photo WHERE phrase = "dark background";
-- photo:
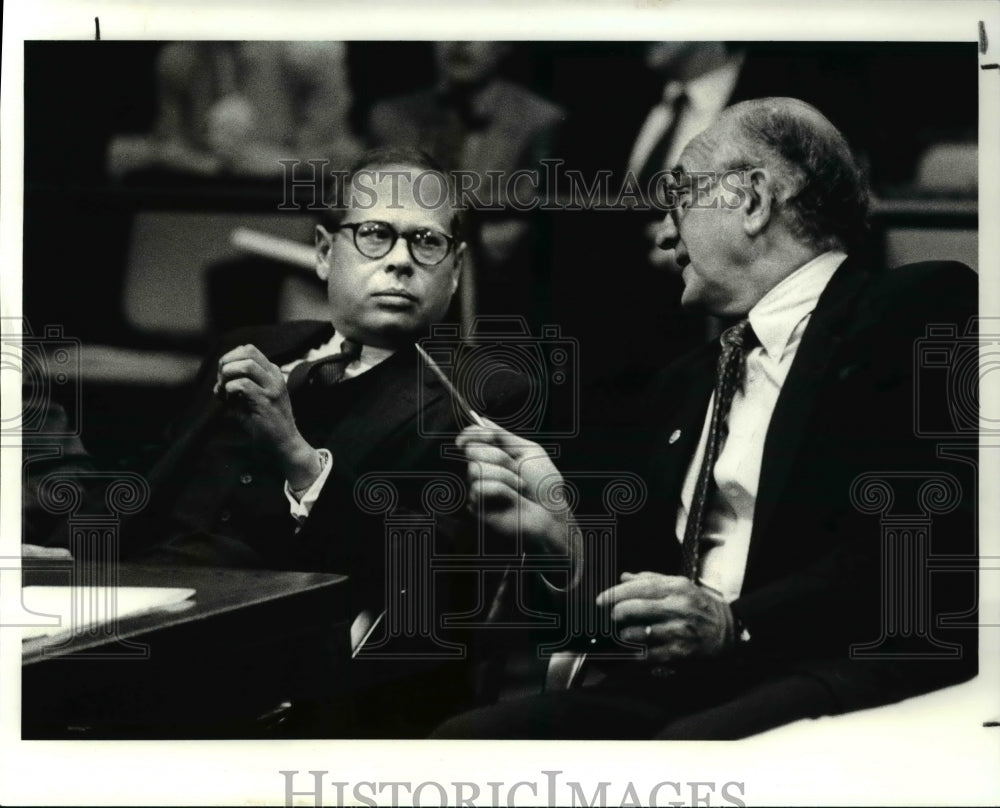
(892, 100)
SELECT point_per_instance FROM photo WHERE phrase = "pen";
(469, 413)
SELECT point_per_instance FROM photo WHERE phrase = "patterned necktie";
(325, 371)
(737, 342)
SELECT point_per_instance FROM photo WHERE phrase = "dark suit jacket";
(392, 420)
(821, 577)
(217, 500)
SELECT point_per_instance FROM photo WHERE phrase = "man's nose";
(667, 235)
(399, 259)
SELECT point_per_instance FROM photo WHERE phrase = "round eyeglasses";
(427, 246)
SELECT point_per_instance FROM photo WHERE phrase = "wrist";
(302, 465)
(563, 538)
(575, 549)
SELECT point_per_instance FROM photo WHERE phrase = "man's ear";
(758, 200)
(324, 243)
(459, 264)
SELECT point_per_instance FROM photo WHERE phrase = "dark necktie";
(737, 342)
(325, 371)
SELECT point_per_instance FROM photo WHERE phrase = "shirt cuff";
(576, 561)
(562, 590)
(302, 505)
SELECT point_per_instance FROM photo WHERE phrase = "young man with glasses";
(295, 421)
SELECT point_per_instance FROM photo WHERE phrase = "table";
(255, 654)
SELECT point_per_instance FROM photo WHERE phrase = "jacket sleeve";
(878, 597)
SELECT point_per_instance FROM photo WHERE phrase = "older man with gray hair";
(764, 581)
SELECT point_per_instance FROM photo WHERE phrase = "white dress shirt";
(778, 320)
(369, 358)
(707, 95)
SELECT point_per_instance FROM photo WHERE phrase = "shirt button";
(246, 478)
(674, 436)
(225, 516)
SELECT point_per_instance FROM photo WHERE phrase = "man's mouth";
(395, 295)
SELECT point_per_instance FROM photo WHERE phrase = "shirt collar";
(370, 355)
(776, 315)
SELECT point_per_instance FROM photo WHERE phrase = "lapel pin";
(674, 436)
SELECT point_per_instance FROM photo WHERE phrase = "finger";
(672, 651)
(234, 362)
(628, 576)
(673, 633)
(640, 611)
(245, 368)
(247, 351)
(517, 447)
(493, 495)
(640, 634)
(676, 630)
(478, 452)
(497, 474)
(242, 389)
(485, 434)
(676, 605)
(652, 585)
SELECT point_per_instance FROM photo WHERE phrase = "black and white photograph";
(466, 404)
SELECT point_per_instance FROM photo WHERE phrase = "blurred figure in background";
(699, 80)
(471, 119)
(476, 121)
(237, 108)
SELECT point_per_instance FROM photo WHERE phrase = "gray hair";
(829, 195)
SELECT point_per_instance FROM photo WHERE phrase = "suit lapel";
(295, 342)
(679, 411)
(682, 427)
(383, 409)
(787, 429)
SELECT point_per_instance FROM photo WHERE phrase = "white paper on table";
(92, 606)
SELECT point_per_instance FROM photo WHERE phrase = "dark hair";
(828, 206)
(335, 203)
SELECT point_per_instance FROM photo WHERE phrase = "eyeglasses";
(688, 192)
(427, 246)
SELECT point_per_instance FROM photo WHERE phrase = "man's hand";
(517, 488)
(253, 388)
(673, 617)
